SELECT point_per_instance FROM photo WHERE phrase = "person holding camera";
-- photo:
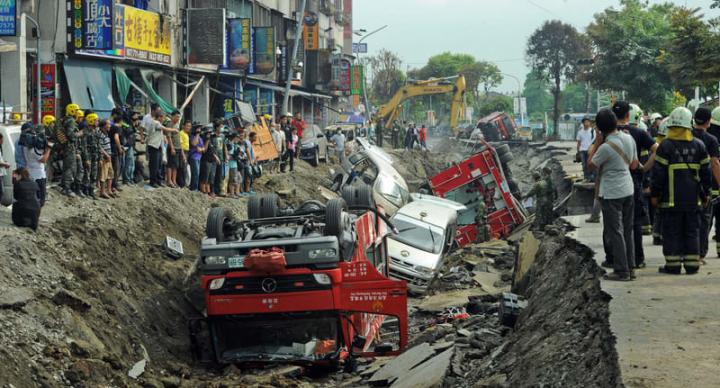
(614, 154)
(36, 151)
(210, 161)
(251, 167)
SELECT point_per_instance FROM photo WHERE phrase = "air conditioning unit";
(207, 3)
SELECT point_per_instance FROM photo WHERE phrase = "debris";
(464, 332)
(70, 299)
(428, 374)
(15, 297)
(487, 281)
(173, 247)
(510, 306)
(440, 346)
(527, 251)
(137, 369)
(440, 301)
(401, 365)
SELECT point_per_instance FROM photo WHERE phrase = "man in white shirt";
(154, 136)
(278, 137)
(35, 163)
(338, 140)
(4, 166)
(585, 138)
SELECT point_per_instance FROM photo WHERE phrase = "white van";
(11, 134)
(426, 232)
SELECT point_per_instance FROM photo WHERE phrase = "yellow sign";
(147, 36)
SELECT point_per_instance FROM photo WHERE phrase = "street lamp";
(519, 94)
(365, 99)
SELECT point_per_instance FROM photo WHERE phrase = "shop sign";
(239, 43)
(356, 79)
(47, 88)
(147, 36)
(8, 17)
(90, 24)
(311, 31)
(264, 54)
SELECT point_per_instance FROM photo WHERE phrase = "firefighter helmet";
(654, 117)
(635, 114)
(79, 114)
(48, 120)
(91, 119)
(715, 116)
(693, 105)
(71, 109)
(663, 128)
(680, 117)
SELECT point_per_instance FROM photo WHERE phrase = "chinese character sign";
(8, 18)
(311, 31)
(239, 43)
(356, 79)
(264, 50)
(97, 24)
(147, 36)
(47, 88)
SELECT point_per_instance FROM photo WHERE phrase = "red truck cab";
(497, 126)
(304, 286)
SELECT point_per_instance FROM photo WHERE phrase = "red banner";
(47, 89)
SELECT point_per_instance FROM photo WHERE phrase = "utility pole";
(38, 102)
(365, 99)
(298, 33)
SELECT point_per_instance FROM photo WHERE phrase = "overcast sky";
(491, 30)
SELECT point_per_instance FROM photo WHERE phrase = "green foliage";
(553, 52)
(387, 76)
(495, 103)
(575, 98)
(537, 94)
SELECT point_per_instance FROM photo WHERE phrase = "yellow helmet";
(79, 114)
(48, 120)
(91, 119)
(70, 109)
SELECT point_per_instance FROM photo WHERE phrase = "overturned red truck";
(306, 286)
(482, 179)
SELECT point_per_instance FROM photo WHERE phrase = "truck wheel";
(360, 195)
(337, 183)
(506, 158)
(316, 160)
(215, 226)
(335, 217)
(502, 149)
(263, 206)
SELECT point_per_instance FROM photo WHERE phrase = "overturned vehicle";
(305, 285)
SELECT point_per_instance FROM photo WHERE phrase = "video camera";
(34, 139)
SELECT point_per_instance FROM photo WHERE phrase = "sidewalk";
(667, 327)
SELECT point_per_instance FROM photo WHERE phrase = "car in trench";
(314, 146)
(426, 233)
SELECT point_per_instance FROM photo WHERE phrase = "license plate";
(236, 261)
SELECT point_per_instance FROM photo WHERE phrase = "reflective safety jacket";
(681, 175)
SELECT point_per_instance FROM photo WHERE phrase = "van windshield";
(392, 191)
(418, 234)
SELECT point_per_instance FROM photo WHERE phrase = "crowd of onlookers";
(95, 158)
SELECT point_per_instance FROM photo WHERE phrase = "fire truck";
(483, 178)
(305, 286)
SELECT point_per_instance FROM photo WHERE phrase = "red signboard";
(47, 89)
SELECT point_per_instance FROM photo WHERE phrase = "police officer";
(700, 131)
(69, 133)
(681, 179)
(80, 148)
(628, 120)
(92, 143)
(715, 131)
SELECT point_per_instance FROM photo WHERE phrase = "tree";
(537, 94)
(553, 51)
(387, 75)
(692, 59)
(576, 98)
(481, 73)
(630, 52)
(496, 103)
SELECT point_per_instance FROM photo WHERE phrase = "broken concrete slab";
(428, 374)
(15, 298)
(402, 364)
(527, 251)
(440, 301)
(137, 369)
(440, 346)
(487, 280)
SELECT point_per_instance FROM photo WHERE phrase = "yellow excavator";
(389, 112)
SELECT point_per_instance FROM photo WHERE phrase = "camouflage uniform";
(544, 193)
(92, 143)
(81, 149)
(483, 232)
(69, 129)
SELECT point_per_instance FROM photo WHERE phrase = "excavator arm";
(391, 110)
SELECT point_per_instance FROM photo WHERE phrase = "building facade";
(201, 56)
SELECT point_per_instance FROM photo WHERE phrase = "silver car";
(314, 145)
(426, 233)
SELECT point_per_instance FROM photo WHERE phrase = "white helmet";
(693, 105)
(715, 116)
(635, 114)
(663, 127)
(654, 117)
(680, 117)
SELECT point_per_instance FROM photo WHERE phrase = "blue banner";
(97, 25)
(239, 43)
(8, 18)
(264, 50)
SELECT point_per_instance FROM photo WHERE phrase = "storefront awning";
(90, 85)
(293, 92)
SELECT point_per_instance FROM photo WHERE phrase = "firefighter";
(715, 131)
(80, 148)
(67, 136)
(701, 125)
(628, 119)
(681, 181)
(92, 143)
(657, 220)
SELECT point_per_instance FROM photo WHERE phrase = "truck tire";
(360, 195)
(215, 226)
(316, 160)
(506, 158)
(335, 217)
(502, 149)
(263, 206)
(337, 182)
